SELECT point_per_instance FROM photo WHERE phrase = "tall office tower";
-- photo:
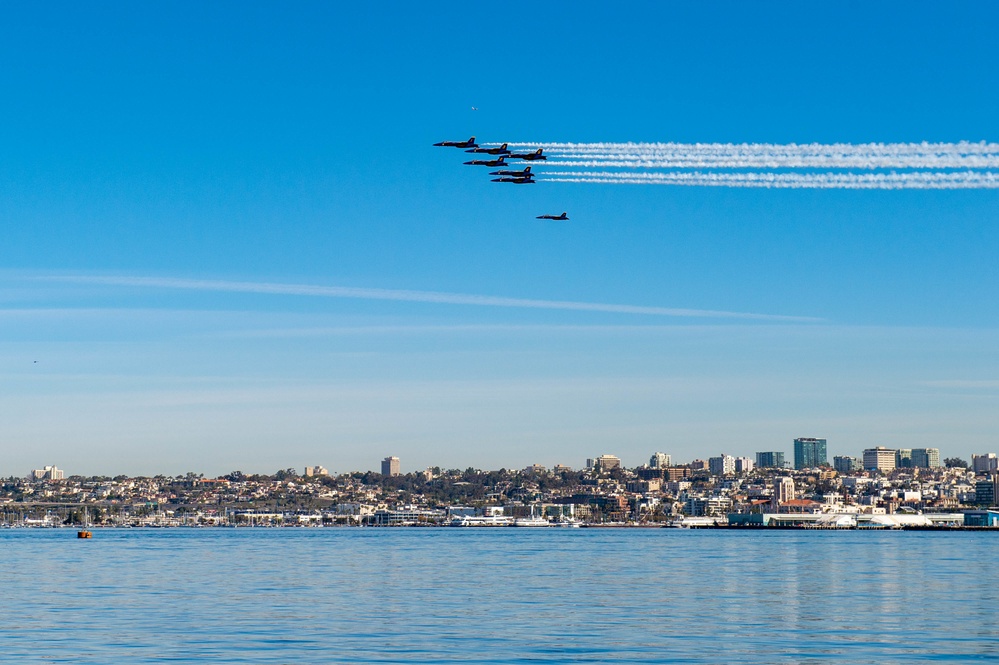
(783, 491)
(743, 465)
(390, 466)
(809, 453)
(985, 463)
(721, 465)
(987, 491)
(903, 458)
(844, 464)
(607, 462)
(926, 458)
(660, 461)
(879, 459)
(770, 460)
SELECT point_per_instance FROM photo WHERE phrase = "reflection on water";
(497, 596)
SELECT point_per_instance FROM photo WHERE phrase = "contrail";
(907, 180)
(775, 161)
(955, 165)
(413, 296)
(956, 148)
(963, 155)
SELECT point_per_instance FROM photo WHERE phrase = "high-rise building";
(987, 491)
(316, 471)
(47, 473)
(390, 466)
(809, 453)
(770, 460)
(607, 462)
(926, 458)
(660, 461)
(721, 465)
(783, 491)
(879, 459)
(985, 463)
(743, 465)
(844, 464)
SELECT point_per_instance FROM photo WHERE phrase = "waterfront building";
(926, 458)
(721, 465)
(845, 464)
(987, 491)
(743, 465)
(880, 459)
(981, 518)
(809, 453)
(47, 473)
(660, 461)
(707, 506)
(390, 466)
(770, 460)
(985, 463)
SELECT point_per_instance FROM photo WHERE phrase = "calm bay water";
(497, 596)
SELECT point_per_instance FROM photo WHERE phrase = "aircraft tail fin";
(527, 170)
(538, 152)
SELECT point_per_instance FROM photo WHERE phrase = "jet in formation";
(528, 155)
(516, 181)
(491, 151)
(526, 173)
(499, 161)
(562, 218)
(470, 143)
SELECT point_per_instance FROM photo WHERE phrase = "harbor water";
(411, 595)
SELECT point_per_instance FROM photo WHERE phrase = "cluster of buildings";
(881, 487)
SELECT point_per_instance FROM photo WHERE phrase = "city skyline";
(229, 241)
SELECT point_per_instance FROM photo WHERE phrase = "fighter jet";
(499, 161)
(470, 143)
(491, 151)
(528, 155)
(526, 173)
(562, 218)
(516, 181)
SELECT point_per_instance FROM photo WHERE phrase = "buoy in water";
(84, 534)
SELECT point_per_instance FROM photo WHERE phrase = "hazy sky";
(227, 242)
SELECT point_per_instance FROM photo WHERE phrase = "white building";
(879, 459)
(743, 465)
(316, 471)
(783, 491)
(986, 463)
(47, 473)
(660, 461)
(721, 465)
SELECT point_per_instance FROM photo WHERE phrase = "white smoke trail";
(769, 155)
(774, 161)
(411, 296)
(960, 147)
(906, 180)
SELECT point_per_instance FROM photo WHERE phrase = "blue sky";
(254, 143)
